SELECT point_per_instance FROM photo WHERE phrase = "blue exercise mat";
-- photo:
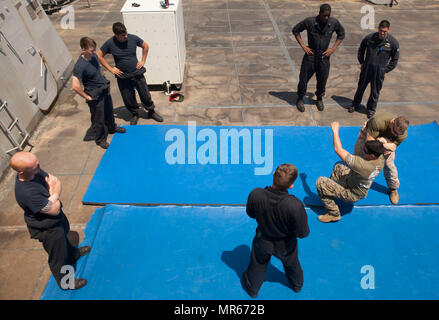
(167, 164)
(191, 253)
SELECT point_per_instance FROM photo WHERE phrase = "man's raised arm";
(338, 148)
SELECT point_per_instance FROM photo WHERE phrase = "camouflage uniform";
(390, 170)
(336, 187)
(350, 181)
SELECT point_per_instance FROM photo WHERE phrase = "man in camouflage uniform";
(391, 131)
(352, 181)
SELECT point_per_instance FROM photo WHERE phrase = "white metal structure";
(163, 31)
(34, 66)
(34, 49)
(388, 2)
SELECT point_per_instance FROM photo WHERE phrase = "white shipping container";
(163, 31)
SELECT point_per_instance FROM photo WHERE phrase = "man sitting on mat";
(352, 181)
(281, 220)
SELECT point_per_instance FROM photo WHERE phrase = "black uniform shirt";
(124, 53)
(318, 38)
(279, 214)
(379, 52)
(89, 73)
(32, 196)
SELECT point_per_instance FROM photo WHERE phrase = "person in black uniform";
(96, 92)
(37, 193)
(281, 219)
(128, 71)
(382, 54)
(317, 53)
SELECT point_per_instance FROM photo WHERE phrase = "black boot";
(300, 105)
(353, 107)
(133, 120)
(245, 286)
(154, 115)
(320, 105)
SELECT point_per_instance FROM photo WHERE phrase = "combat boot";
(300, 105)
(154, 115)
(352, 108)
(325, 218)
(134, 119)
(394, 197)
(246, 287)
(320, 105)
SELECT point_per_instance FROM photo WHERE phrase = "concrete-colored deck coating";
(242, 68)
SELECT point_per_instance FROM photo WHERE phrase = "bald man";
(37, 193)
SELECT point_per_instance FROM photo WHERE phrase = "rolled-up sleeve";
(340, 31)
(298, 28)
(349, 160)
(373, 128)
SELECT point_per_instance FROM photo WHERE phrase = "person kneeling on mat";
(281, 220)
(351, 181)
(37, 193)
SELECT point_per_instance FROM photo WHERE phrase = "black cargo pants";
(373, 74)
(313, 64)
(54, 239)
(101, 111)
(127, 87)
(284, 250)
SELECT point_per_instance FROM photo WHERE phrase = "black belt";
(96, 92)
(130, 75)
